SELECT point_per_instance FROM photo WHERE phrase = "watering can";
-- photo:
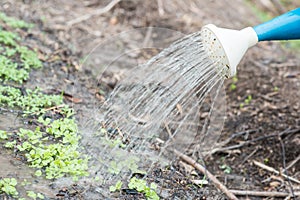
(226, 47)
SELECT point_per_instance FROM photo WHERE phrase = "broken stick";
(270, 169)
(209, 175)
(262, 193)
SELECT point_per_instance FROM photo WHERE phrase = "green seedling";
(51, 145)
(226, 169)
(8, 38)
(52, 159)
(266, 160)
(14, 23)
(275, 89)
(234, 82)
(247, 101)
(9, 71)
(116, 187)
(34, 195)
(8, 186)
(33, 102)
(3, 135)
(25, 182)
(141, 186)
(9, 52)
(15, 60)
(28, 58)
(57, 159)
(10, 145)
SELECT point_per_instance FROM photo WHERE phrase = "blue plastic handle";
(283, 27)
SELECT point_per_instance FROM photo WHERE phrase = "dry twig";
(94, 13)
(292, 163)
(271, 169)
(236, 146)
(262, 193)
(209, 175)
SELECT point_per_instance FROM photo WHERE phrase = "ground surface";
(264, 128)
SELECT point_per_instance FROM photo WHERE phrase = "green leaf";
(3, 135)
(10, 145)
(153, 186)
(38, 173)
(112, 188)
(39, 195)
(31, 194)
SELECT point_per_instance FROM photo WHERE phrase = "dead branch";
(223, 149)
(210, 176)
(262, 193)
(94, 13)
(271, 169)
(292, 163)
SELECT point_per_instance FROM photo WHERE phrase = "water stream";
(165, 104)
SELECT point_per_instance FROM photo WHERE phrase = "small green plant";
(15, 60)
(9, 71)
(3, 135)
(33, 102)
(234, 82)
(10, 145)
(141, 186)
(25, 182)
(226, 169)
(116, 187)
(28, 58)
(247, 101)
(53, 151)
(34, 195)
(57, 159)
(266, 160)
(8, 38)
(8, 186)
(14, 23)
(275, 89)
(51, 145)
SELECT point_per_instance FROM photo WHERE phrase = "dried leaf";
(73, 99)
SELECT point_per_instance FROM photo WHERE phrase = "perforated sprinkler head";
(226, 47)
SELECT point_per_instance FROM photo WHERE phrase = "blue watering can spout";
(283, 27)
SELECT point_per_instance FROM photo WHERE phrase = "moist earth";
(263, 107)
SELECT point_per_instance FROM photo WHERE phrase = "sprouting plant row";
(8, 186)
(15, 60)
(14, 23)
(50, 144)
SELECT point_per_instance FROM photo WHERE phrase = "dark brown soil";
(266, 129)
